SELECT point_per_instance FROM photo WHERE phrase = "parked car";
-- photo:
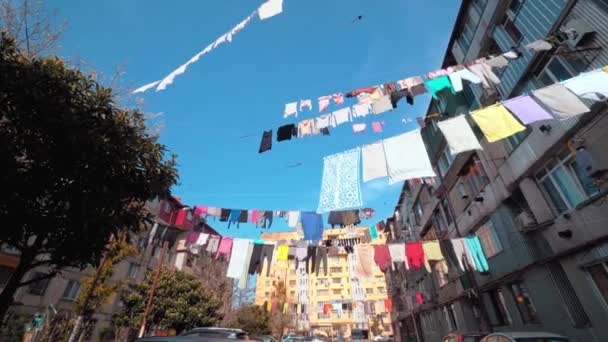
(227, 333)
(524, 337)
(463, 337)
(264, 338)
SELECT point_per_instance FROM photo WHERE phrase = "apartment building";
(540, 216)
(359, 303)
(55, 297)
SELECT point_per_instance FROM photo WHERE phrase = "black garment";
(255, 258)
(266, 143)
(310, 259)
(286, 132)
(224, 215)
(349, 249)
(398, 95)
(242, 217)
(324, 131)
(381, 226)
(268, 214)
(266, 253)
(321, 256)
(350, 217)
(335, 218)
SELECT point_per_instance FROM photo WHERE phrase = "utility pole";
(142, 329)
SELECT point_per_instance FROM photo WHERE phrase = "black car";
(202, 334)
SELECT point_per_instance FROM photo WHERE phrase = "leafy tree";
(279, 321)
(180, 303)
(375, 327)
(77, 168)
(251, 318)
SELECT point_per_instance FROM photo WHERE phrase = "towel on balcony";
(340, 188)
(415, 254)
(382, 257)
(225, 247)
(527, 110)
(590, 85)
(374, 162)
(560, 101)
(364, 262)
(463, 254)
(397, 251)
(282, 252)
(438, 84)
(459, 135)
(239, 258)
(496, 122)
(406, 157)
(432, 252)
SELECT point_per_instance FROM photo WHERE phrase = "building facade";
(55, 297)
(361, 302)
(540, 216)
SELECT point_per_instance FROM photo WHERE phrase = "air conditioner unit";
(525, 221)
(578, 31)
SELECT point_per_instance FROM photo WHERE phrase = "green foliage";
(252, 319)
(76, 167)
(180, 303)
(118, 250)
(375, 327)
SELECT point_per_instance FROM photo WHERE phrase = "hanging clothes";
(560, 101)
(374, 162)
(464, 74)
(265, 255)
(591, 85)
(224, 215)
(285, 132)
(335, 218)
(364, 260)
(192, 237)
(398, 95)
(311, 256)
(356, 92)
(301, 256)
(254, 216)
(323, 103)
(270, 8)
(293, 218)
(539, 45)
(382, 257)
(526, 109)
(382, 105)
(338, 308)
(432, 252)
(377, 126)
(388, 305)
(282, 252)
(485, 73)
(359, 128)
(406, 157)
(323, 121)
(415, 254)
(373, 231)
(338, 98)
(350, 217)
(321, 257)
(419, 298)
(291, 109)
(326, 309)
(463, 254)
(437, 73)
(459, 135)
(305, 127)
(497, 62)
(305, 104)
(341, 116)
(224, 248)
(397, 252)
(266, 143)
(390, 88)
(312, 225)
(438, 84)
(340, 188)
(235, 214)
(268, 216)
(243, 216)
(324, 131)
(241, 249)
(496, 122)
(213, 244)
(481, 263)
(361, 110)
(414, 84)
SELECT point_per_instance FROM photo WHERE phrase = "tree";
(375, 327)
(251, 318)
(77, 168)
(180, 303)
(279, 321)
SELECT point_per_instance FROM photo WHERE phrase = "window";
(38, 287)
(441, 272)
(267, 282)
(71, 290)
(292, 283)
(449, 312)
(379, 279)
(445, 160)
(292, 293)
(369, 291)
(322, 292)
(167, 207)
(133, 270)
(336, 280)
(561, 185)
(439, 221)
(515, 6)
(526, 308)
(555, 71)
(336, 292)
(418, 212)
(500, 308)
(489, 239)
(512, 30)
(381, 290)
(266, 294)
(599, 275)
(335, 269)
(475, 177)
(514, 140)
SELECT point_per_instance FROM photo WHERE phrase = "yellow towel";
(282, 252)
(496, 122)
(605, 68)
(432, 252)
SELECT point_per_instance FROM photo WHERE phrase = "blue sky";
(239, 89)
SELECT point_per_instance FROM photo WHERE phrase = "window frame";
(489, 239)
(602, 292)
(68, 292)
(524, 303)
(547, 172)
(499, 305)
(38, 288)
(508, 25)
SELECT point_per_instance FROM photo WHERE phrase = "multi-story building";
(56, 296)
(540, 216)
(361, 301)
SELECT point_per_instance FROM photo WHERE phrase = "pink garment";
(200, 210)
(377, 126)
(225, 248)
(192, 237)
(419, 298)
(359, 128)
(255, 215)
(338, 98)
(323, 103)
(437, 73)
(305, 104)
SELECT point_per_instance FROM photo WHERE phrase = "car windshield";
(541, 339)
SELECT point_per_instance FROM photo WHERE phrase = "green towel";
(438, 84)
